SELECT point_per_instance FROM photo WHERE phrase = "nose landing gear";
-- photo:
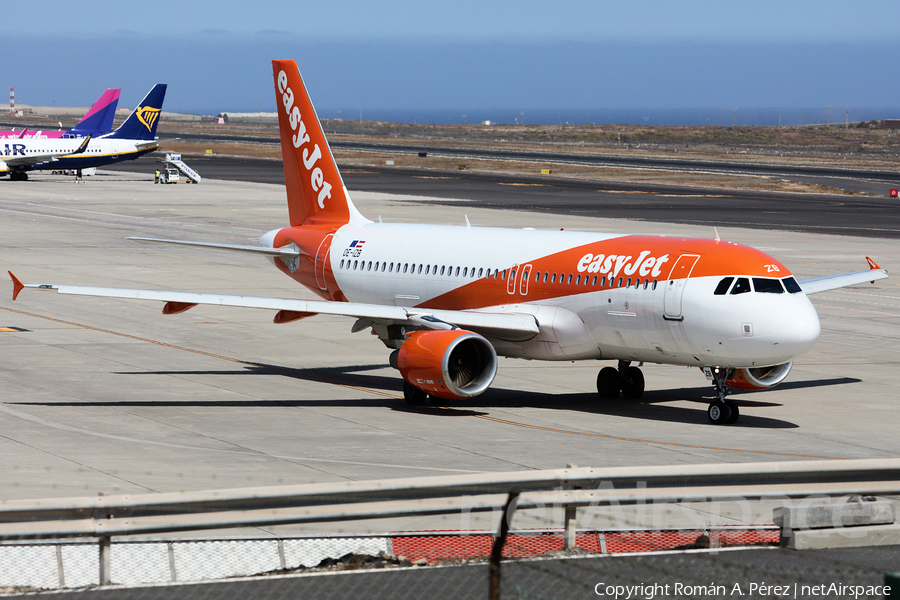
(626, 379)
(722, 411)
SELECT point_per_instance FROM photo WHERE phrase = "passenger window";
(369, 267)
(457, 271)
(405, 267)
(569, 281)
(629, 282)
(578, 280)
(594, 282)
(442, 269)
(480, 272)
(603, 281)
(537, 277)
(723, 286)
(420, 269)
(791, 285)
(383, 265)
(767, 286)
(342, 264)
(654, 284)
(503, 274)
(620, 282)
(553, 279)
(741, 286)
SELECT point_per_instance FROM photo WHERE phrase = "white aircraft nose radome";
(795, 328)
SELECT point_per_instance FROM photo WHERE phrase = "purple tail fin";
(99, 119)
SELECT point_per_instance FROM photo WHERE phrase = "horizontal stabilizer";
(285, 252)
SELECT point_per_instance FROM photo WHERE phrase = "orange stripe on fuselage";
(627, 257)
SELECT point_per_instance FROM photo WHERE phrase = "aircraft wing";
(27, 161)
(512, 325)
(831, 282)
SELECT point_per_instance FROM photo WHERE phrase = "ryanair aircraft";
(135, 137)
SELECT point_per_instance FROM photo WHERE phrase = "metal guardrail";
(106, 516)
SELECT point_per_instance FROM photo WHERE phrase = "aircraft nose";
(796, 327)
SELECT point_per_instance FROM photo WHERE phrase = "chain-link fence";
(72, 565)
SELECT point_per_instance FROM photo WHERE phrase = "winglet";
(872, 264)
(18, 286)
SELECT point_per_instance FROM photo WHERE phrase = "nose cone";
(795, 327)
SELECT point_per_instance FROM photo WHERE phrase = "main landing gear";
(722, 411)
(626, 379)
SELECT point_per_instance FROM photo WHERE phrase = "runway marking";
(389, 395)
(11, 329)
(524, 184)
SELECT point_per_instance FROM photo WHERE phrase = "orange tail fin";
(315, 190)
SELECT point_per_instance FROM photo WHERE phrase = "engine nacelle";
(448, 364)
(760, 378)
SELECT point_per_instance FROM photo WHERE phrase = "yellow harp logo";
(148, 115)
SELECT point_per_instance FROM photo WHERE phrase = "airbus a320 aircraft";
(448, 300)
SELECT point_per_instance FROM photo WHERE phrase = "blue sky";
(464, 54)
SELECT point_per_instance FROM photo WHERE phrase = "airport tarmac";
(109, 396)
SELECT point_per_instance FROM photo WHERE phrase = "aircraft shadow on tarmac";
(652, 406)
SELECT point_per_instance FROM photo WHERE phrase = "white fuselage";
(631, 306)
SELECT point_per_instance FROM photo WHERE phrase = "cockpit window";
(741, 287)
(723, 286)
(767, 286)
(791, 285)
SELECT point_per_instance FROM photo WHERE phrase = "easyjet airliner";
(449, 300)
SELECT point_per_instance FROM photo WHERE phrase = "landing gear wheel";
(719, 413)
(632, 383)
(609, 383)
(413, 395)
(735, 413)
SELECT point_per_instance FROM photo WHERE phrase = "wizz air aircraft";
(97, 121)
(448, 300)
(132, 139)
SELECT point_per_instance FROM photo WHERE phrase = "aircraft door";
(678, 278)
(323, 255)
(523, 284)
(511, 282)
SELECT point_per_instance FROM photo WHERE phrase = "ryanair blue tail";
(141, 124)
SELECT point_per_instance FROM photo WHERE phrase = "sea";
(726, 117)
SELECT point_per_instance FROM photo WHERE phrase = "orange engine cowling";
(759, 378)
(448, 364)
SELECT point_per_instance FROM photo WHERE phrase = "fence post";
(570, 520)
(499, 542)
(105, 553)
